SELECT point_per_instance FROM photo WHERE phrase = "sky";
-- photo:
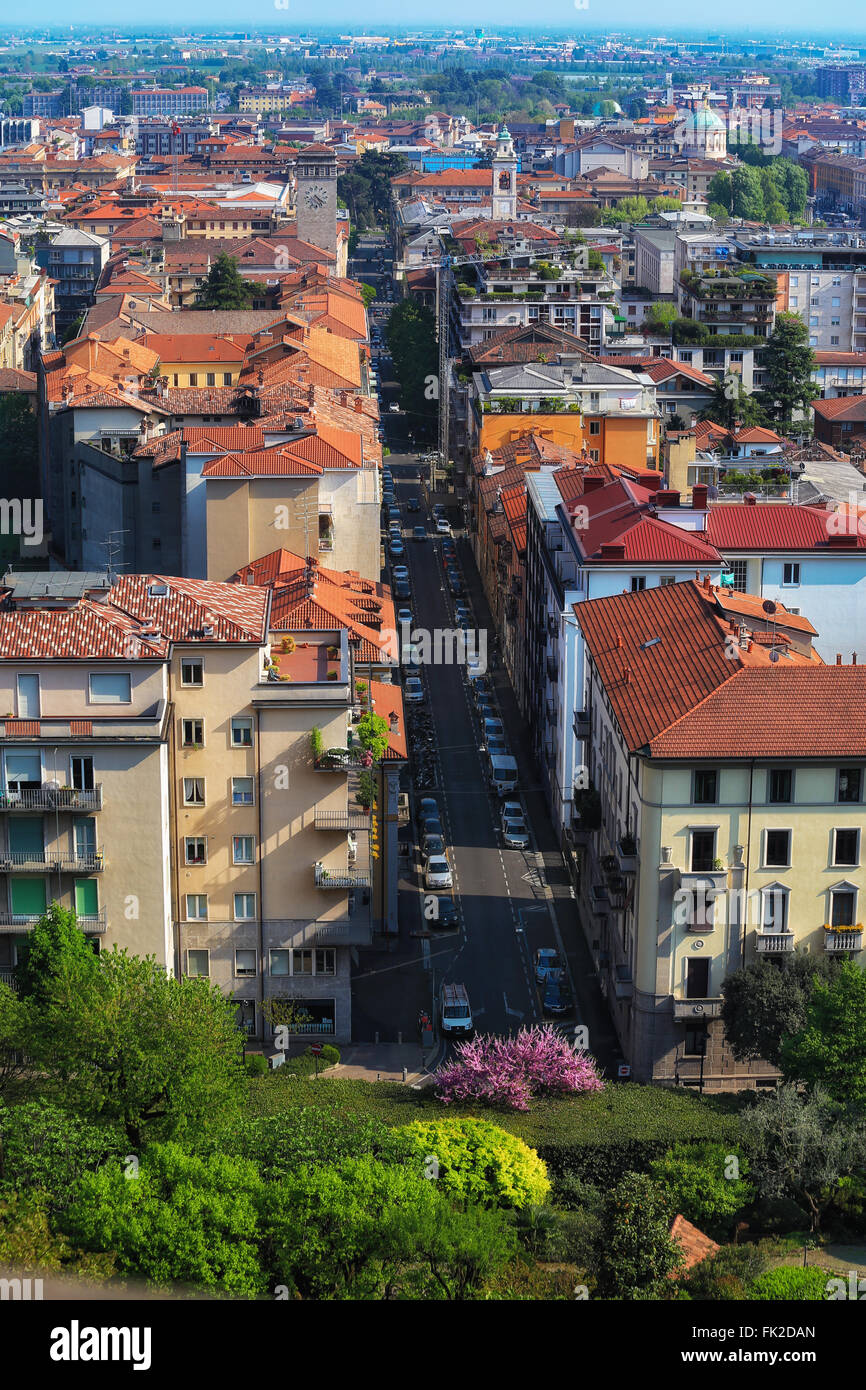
(677, 16)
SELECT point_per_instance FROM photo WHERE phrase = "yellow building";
(723, 819)
(198, 359)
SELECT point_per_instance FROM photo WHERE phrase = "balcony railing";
(697, 1008)
(774, 943)
(14, 921)
(51, 799)
(8, 976)
(52, 863)
(343, 879)
(340, 759)
(342, 820)
(843, 939)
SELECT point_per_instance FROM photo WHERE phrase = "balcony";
(774, 943)
(340, 760)
(14, 921)
(581, 725)
(688, 1009)
(52, 799)
(8, 977)
(626, 852)
(600, 899)
(840, 940)
(52, 863)
(341, 880)
(342, 820)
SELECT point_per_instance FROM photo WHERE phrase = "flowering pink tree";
(509, 1071)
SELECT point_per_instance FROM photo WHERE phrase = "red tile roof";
(615, 525)
(841, 408)
(260, 463)
(693, 1243)
(772, 526)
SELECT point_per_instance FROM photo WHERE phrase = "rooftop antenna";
(112, 545)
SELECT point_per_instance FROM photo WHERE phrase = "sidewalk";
(385, 1062)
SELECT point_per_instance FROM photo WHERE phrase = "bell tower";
(504, 167)
(316, 196)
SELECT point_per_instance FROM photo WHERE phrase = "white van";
(503, 774)
(455, 1014)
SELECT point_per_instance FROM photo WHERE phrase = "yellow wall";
(244, 523)
(621, 439)
(184, 370)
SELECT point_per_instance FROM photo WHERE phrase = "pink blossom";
(508, 1072)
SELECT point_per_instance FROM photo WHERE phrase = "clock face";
(315, 196)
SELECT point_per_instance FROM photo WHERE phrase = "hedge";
(786, 1282)
(595, 1137)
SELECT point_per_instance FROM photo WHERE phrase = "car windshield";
(455, 1011)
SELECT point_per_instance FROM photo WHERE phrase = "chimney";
(619, 640)
(699, 497)
(394, 722)
(853, 658)
(650, 479)
(667, 497)
(707, 585)
(838, 658)
(359, 406)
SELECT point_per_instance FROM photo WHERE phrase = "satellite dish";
(774, 656)
(768, 605)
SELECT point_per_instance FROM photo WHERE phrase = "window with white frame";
(195, 849)
(245, 964)
(242, 791)
(245, 907)
(192, 733)
(790, 574)
(740, 571)
(198, 963)
(193, 791)
(849, 784)
(192, 671)
(242, 732)
(281, 962)
(846, 847)
(843, 905)
(243, 849)
(774, 907)
(302, 962)
(196, 907)
(777, 849)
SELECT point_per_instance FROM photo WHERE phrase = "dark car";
(443, 914)
(455, 583)
(413, 505)
(402, 589)
(557, 994)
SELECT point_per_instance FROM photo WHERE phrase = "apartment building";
(75, 260)
(572, 298)
(717, 828)
(185, 786)
(169, 101)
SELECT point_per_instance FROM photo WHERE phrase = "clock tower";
(504, 179)
(316, 197)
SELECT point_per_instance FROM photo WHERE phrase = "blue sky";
(780, 16)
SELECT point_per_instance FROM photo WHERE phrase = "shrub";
(727, 1274)
(635, 1255)
(510, 1071)
(476, 1161)
(788, 1283)
(257, 1065)
(317, 743)
(695, 1178)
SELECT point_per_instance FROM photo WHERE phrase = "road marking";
(515, 1013)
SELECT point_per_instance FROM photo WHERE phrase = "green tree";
(134, 1046)
(411, 335)
(45, 1149)
(761, 1004)
(660, 315)
(801, 1147)
(19, 448)
(55, 947)
(177, 1219)
(719, 191)
(732, 403)
(366, 188)
(828, 1049)
(700, 1184)
(226, 288)
(476, 1161)
(747, 196)
(635, 1254)
(372, 732)
(17, 1021)
(789, 364)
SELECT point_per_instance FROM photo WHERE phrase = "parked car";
(461, 608)
(410, 656)
(413, 505)
(483, 687)
(444, 914)
(401, 589)
(399, 572)
(413, 690)
(431, 825)
(394, 513)
(394, 408)
(419, 533)
(455, 1012)
(546, 959)
(398, 550)
(497, 748)
(494, 728)
(427, 806)
(438, 509)
(432, 847)
(443, 527)
(557, 998)
(514, 832)
(404, 615)
(437, 873)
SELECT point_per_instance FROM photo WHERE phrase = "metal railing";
(51, 799)
(345, 878)
(14, 921)
(52, 863)
(342, 820)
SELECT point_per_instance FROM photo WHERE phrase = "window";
(850, 784)
(110, 688)
(193, 378)
(242, 733)
(302, 962)
(834, 302)
(193, 791)
(843, 902)
(740, 570)
(192, 671)
(197, 963)
(595, 427)
(195, 849)
(790, 574)
(227, 378)
(192, 733)
(780, 785)
(326, 961)
(695, 1043)
(82, 772)
(698, 977)
(667, 579)
(638, 583)
(846, 847)
(777, 849)
(280, 962)
(29, 706)
(243, 849)
(834, 341)
(703, 851)
(245, 964)
(196, 908)
(242, 791)
(210, 379)
(705, 791)
(774, 908)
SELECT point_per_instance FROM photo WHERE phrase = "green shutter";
(86, 897)
(28, 896)
(26, 837)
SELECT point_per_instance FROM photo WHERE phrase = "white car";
(514, 832)
(394, 408)
(512, 810)
(404, 615)
(443, 527)
(413, 689)
(437, 873)
(399, 572)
